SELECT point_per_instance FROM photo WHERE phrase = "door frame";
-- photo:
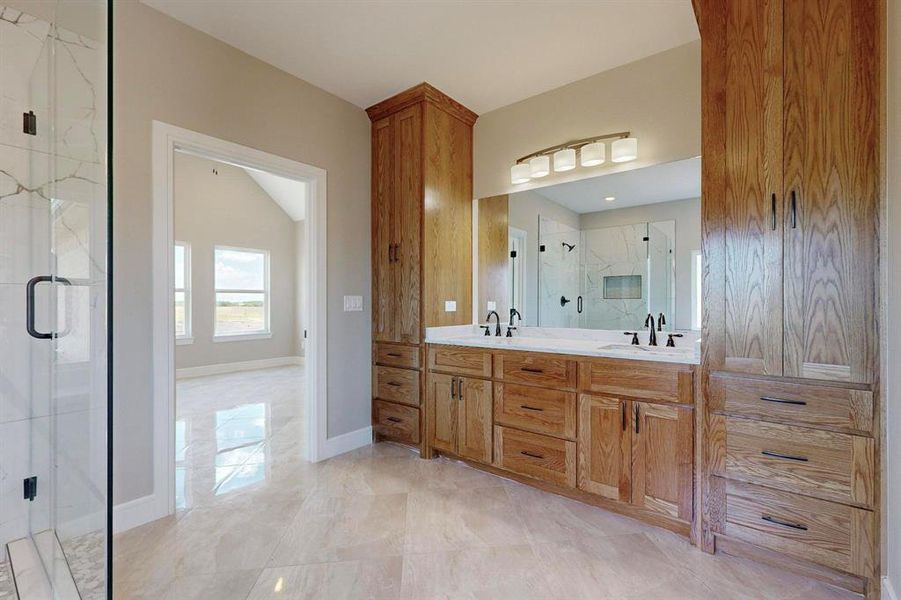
(167, 139)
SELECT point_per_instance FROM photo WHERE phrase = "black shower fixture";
(569, 247)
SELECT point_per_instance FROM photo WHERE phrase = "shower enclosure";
(54, 218)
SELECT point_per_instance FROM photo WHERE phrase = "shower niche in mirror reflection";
(584, 261)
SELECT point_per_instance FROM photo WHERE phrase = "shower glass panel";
(559, 259)
(53, 290)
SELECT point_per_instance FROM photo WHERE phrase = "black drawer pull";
(395, 420)
(532, 370)
(530, 454)
(783, 401)
(527, 407)
(784, 523)
(394, 384)
(394, 354)
(785, 456)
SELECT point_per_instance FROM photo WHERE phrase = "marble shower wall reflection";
(620, 273)
(53, 221)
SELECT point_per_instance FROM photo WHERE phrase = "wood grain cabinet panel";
(475, 427)
(398, 422)
(536, 369)
(829, 407)
(395, 355)
(819, 463)
(539, 456)
(665, 382)
(835, 535)
(397, 385)
(662, 458)
(605, 446)
(832, 120)
(443, 412)
(542, 410)
(384, 309)
(460, 360)
(407, 216)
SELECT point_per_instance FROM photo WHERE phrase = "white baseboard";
(346, 442)
(888, 590)
(247, 365)
(137, 512)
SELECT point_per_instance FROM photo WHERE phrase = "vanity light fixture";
(591, 152)
(624, 150)
(539, 166)
(565, 160)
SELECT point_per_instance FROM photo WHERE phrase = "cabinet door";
(751, 309)
(443, 412)
(662, 459)
(832, 121)
(383, 278)
(605, 453)
(407, 221)
(475, 427)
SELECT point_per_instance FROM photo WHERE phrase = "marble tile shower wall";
(558, 273)
(53, 215)
(614, 251)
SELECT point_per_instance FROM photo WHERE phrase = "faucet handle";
(487, 329)
(671, 343)
(510, 330)
(634, 335)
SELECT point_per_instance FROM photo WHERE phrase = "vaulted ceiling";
(486, 54)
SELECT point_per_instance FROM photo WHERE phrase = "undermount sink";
(634, 348)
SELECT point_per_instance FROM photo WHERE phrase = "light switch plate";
(353, 303)
(450, 306)
(492, 305)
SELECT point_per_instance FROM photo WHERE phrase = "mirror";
(597, 253)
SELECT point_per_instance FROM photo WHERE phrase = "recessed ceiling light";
(610, 198)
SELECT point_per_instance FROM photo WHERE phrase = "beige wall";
(687, 215)
(657, 98)
(167, 71)
(228, 208)
(892, 305)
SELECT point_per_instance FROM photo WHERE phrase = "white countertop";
(581, 342)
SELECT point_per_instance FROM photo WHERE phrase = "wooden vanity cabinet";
(605, 446)
(421, 187)
(459, 416)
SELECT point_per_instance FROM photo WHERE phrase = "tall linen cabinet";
(421, 244)
(792, 116)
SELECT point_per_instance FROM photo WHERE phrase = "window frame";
(264, 333)
(188, 336)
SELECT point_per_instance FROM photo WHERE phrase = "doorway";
(239, 315)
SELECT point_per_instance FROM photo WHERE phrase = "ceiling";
(676, 180)
(485, 54)
(289, 194)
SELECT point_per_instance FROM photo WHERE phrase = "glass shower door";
(54, 212)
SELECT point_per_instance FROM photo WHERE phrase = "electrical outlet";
(450, 306)
(353, 303)
(492, 305)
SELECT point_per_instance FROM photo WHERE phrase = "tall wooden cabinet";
(792, 118)
(421, 238)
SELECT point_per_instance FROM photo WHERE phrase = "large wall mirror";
(598, 253)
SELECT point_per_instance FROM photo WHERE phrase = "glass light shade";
(519, 173)
(539, 166)
(593, 154)
(624, 150)
(564, 160)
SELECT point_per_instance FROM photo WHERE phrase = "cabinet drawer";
(397, 385)
(794, 403)
(534, 455)
(460, 361)
(536, 409)
(824, 464)
(394, 355)
(396, 421)
(536, 369)
(644, 380)
(834, 535)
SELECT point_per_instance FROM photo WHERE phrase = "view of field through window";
(241, 293)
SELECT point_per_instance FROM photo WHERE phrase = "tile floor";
(259, 522)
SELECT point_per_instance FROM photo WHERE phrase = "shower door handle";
(579, 305)
(29, 305)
